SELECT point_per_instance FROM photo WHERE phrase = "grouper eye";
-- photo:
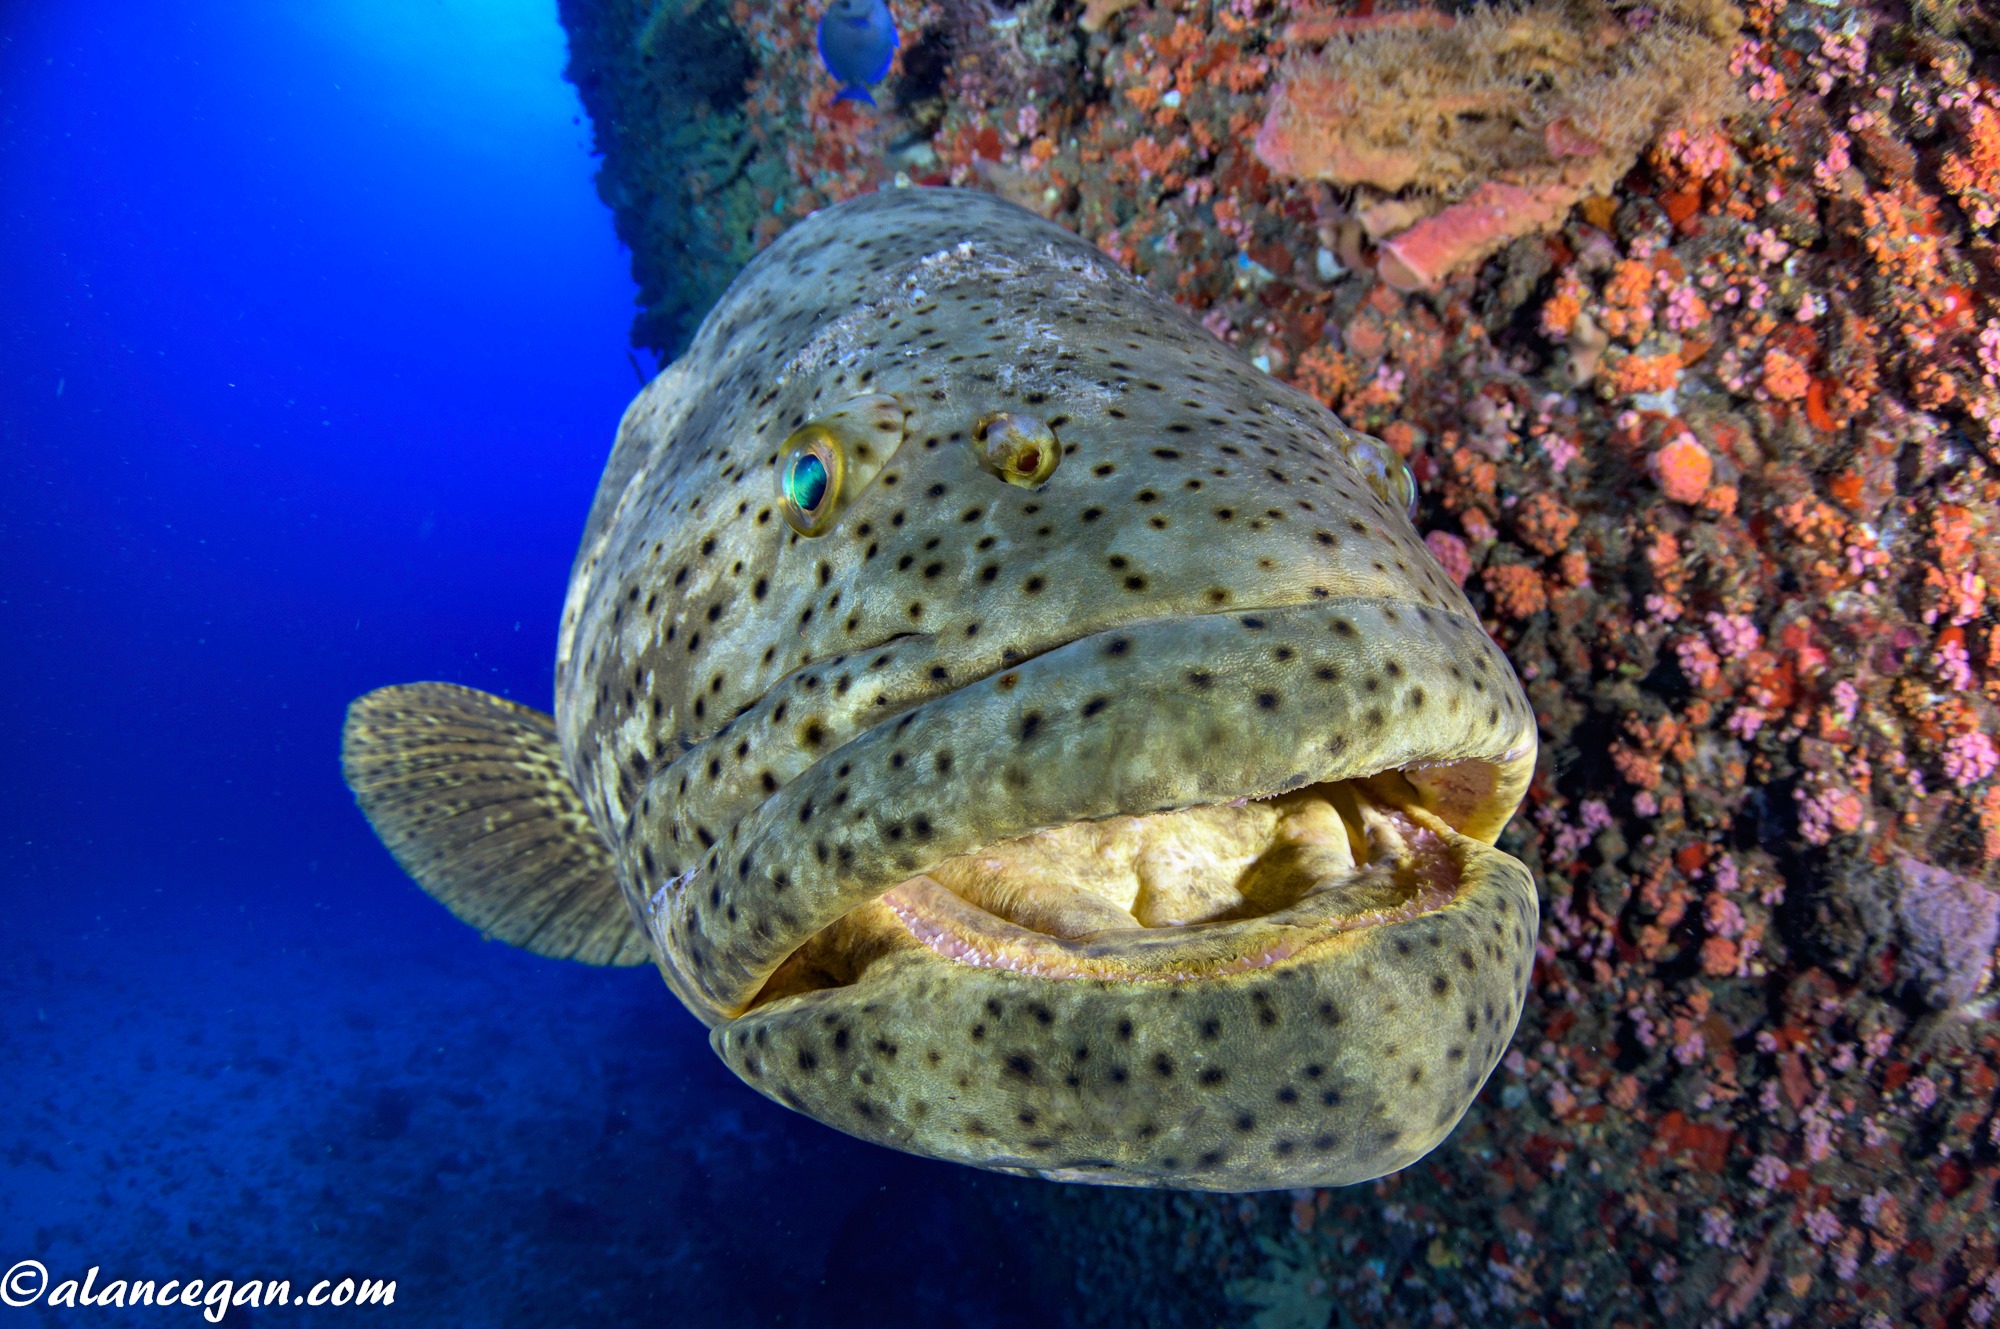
(1387, 473)
(810, 470)
(831, 459)
(1018, 448)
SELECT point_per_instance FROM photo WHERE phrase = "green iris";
(806, 482)
(810, 479)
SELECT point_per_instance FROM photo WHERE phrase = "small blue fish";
(857, 40)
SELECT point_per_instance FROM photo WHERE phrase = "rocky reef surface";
(1687, 317)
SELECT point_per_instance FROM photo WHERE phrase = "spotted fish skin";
(1212, 598)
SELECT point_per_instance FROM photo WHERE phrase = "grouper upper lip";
(1148, 716)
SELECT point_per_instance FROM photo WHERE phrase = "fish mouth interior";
(1170, 896)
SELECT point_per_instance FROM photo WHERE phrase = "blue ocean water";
(312, 342)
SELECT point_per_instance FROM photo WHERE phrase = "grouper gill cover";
(1023, 731)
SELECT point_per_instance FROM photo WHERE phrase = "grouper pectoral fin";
(468, 792)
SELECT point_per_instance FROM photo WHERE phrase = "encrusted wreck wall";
(1688, 320)
(666, 86)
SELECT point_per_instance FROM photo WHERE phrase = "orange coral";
(1720, 500)
(1683, 469)
(1718, 957)
(1544, 523)
(1517, 590)
(1559, 314)
(1989, 820)
(1326, 374)
(1646, 373)
(1903, 233)
(1973, 173)
(1637, 768)
(1628, 302)
(1159, 159)
(1663, 559)
(1687, 159)
(1784, 376)
(1471, 479)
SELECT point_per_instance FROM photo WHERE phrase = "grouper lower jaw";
(1348, 1059)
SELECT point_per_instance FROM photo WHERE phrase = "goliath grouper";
(1024, 732)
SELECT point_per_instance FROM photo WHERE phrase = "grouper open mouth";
(1025, 733)
(1181, 893)
(1018, 906)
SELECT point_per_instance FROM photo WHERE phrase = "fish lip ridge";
(972, 680)
(696, 751)
(821, 662)
(722, 969)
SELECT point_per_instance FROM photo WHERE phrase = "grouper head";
(1029, 735)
